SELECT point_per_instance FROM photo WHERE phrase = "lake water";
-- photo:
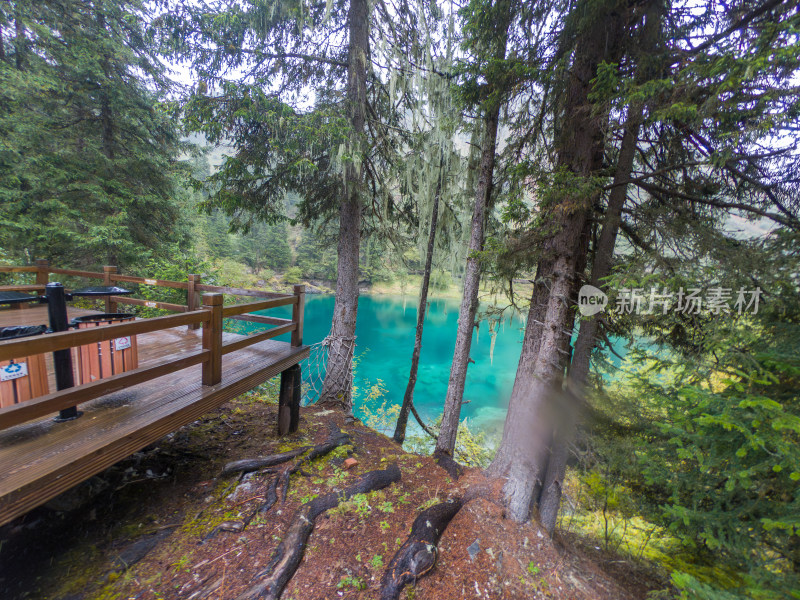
(385, 340)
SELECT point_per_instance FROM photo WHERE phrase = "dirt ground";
(164, 524)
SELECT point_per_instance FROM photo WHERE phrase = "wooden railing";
(194, 288)
(210, 316)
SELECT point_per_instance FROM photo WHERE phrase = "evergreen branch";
(305, 57)
(740, 24)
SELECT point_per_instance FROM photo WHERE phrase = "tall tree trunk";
(337, 387)
(647, 66)
(550, 498)
(446, 440)
(604, 252)
(408, 398)
(524, 452)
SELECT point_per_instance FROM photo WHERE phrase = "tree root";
(290, 551)
(337, 438)
(449, 464)
(254, 464)
(417, 556)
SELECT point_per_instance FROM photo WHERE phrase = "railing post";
(43, 271)
(212, 339)
(297, 314)
(108, 271)
(193, 297)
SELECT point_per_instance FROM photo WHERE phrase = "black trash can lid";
(20, 331)
(101, 290)
(15, 297)
(102, 317)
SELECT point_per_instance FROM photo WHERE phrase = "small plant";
(182, 564)
(361, 505)
(351, 581)
(385, 526)
(532, 568)
(428, 503)
(376, 561)
(386, 507)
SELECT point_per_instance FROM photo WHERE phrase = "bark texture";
(417, 556)
(248, 465)
(337, 387)
(408, 398)
(536, 399)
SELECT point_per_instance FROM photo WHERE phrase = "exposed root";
(337, 438)
(417, 556)
(290, 551)
(269, 500)
(447, 462)
(254, 464)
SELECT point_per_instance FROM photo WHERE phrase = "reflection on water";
(385, 340)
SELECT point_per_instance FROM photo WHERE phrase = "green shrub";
(293, 275)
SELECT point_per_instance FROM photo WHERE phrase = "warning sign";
(13, 371)
(122, 343)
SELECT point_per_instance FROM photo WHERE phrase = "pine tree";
(88, 167)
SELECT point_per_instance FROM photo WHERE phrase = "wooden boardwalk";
(42, 458)
(182, 374)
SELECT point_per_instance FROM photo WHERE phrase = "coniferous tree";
(88, 165)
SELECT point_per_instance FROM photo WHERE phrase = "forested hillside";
(620, 176)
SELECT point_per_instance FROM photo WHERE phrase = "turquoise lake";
(385, 340)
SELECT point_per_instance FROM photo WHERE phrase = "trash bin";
(22, 378)
(104, 359)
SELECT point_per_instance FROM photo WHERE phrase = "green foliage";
(316, 257)
(293, 275)
(88, 160)
(715, 460)
(441, 280)
(351, 581)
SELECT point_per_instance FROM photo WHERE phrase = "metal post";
(62, 359)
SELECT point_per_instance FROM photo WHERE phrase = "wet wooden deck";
(41, 458)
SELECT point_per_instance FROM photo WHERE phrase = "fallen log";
(254, 464)
(417, 556)
(290, 551)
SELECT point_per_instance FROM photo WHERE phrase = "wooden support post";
(297, 314)
(212, 339)
(108, 271)
(193, 296)
(43, 271)
(289, 400)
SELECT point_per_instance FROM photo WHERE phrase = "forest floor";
(165, 524)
